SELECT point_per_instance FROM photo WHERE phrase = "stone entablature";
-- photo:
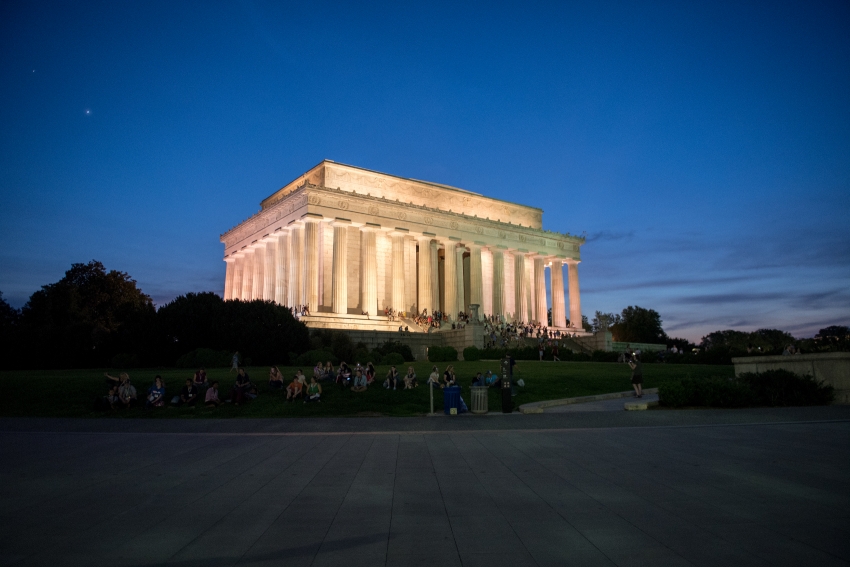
(363, 209)
(353, 249)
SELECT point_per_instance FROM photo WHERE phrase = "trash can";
(451, 400)
(479, 399)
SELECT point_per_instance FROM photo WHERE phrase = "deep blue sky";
(703, 148)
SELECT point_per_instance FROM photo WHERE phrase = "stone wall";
(832, 368)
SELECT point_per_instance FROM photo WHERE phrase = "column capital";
(340, 222)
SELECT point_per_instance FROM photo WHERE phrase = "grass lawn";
(70, 393)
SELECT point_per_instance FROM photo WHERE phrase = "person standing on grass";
(555, 352)
(637, 375)
(234, 363)
(211, 400)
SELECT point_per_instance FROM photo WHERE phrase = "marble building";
(348, 242)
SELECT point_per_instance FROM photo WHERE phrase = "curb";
(538, 407)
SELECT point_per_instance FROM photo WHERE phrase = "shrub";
(784, 388)
(771, 388)
(394, 359)
(396, 347)
(604, 356)
(472, 353)
(312, 357)
(205, 357)
(442, 354)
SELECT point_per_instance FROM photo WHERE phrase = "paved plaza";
(702, 487)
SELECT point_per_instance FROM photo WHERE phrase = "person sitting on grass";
(434, 378)
(478, 380)
(119, 380)
(314, 391)
(449, 376)
(295, 389)
(329, 371)
(392, 379)
(301, 378)
(360, 384)
(275, 379)
(241, 387)
(343, 376)
(410, 379)
(370, 372)
(156, 394)
(109, 401)
(126, 393)
(211, 400)
(491, 380)
(200, 379)
(318, 370)
(188, 395)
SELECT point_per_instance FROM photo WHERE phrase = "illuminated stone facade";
(349, 242)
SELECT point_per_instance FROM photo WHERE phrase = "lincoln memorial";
(348, 242)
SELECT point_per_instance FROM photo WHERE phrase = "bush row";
(442, 354)
(771, 388)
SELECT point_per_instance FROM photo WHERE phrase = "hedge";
(442, 354)
(771, 388)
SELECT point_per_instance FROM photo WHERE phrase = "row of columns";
(285, 268)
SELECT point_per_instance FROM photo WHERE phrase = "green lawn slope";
(70, 393)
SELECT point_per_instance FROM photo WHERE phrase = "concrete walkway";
(707, 487)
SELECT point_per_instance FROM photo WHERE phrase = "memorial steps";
(351, 322)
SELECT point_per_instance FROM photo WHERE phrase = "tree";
(834, 333)
(261, 330)
(639, 325)
(85, 319)
(728, 339)
(771, 340)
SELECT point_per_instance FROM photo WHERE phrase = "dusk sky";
(704, 148)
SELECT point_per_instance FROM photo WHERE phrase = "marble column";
(498, 282)
(475, 278)
(450, 281)
(423, 297)
(238, 267)
(311, 264)
(575, 300)
(520, 302)
(340, 268)
(529, 289)
(398, 272)
(461, 295)
(282, 269)
(248, 275)
(259, 265)
(229, 265)
(295, 289)
(559, 316)
(435, 276)
(368, 271)
(541, 309)
(270, 270)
